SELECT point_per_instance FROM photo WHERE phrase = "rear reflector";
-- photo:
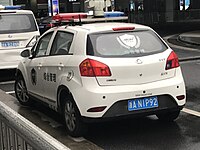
(96, 109)
(93, 68)
(172, 61)
(123, 28)
(180, 97)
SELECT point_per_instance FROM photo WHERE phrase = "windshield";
(17, 23)
(127, 44)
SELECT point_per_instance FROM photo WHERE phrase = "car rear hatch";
(17, 30)
(15, 41)
(131, 58)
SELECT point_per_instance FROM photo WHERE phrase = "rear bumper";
(10, 58)
(120, 108)
(140, 113)
(9, 65)
(115, 98)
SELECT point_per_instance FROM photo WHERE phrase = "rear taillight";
(92, 68)
(172, 61)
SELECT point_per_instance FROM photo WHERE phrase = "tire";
(168, 117)
(21, 91)
(74, 125)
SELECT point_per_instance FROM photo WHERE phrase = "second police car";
(18, 30)
(102, 71)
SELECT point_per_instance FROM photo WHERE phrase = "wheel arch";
(61, 92)
(23, 74)
(17, 73)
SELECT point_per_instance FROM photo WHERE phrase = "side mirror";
(26, 53)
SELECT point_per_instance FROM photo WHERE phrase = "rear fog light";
(96, 109)
(180, 97)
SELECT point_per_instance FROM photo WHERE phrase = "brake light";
(93, 68)
(123, 28)
(172, 61)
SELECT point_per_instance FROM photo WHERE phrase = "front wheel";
(169, 116)
(21, 91)
(74, 125)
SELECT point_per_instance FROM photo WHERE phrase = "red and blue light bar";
(69, 16)
(10, 7)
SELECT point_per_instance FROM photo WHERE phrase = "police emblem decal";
(33, 76)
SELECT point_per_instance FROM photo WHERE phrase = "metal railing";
(17, 133)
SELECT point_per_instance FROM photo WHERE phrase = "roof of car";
(17, 11)
(100, 27)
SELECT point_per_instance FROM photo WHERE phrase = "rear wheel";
(74, 125)
(169, 116)
(21, 91)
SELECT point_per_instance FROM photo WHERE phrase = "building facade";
(41, 7)
(139, 11)
(160, 11)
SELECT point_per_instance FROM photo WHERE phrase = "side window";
(62, 43)
(42, 46)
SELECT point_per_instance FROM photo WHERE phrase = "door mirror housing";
(26, 53)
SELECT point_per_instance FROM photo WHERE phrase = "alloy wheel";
(70, 116)
(21, 91)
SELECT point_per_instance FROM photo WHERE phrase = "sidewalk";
(192, 37)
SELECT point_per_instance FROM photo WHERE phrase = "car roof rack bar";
(80, 21)
(110, 19)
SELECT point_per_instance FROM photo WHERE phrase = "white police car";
(18, 30)
(102, 71)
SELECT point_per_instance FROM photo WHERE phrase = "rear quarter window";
(124, 44)
(17, 23)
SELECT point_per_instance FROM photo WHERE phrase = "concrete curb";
(189, 58)
(178, 46)
(190, 38)
(181, 47)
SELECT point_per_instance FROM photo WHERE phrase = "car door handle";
(39, 66)
(60, 66)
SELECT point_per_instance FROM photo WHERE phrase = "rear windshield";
(17, 23)
(124, 44)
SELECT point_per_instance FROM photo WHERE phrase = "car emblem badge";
(138, 61)
(10, 36)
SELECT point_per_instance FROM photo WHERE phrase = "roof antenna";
(79, 17)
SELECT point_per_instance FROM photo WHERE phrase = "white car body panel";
(128, 80)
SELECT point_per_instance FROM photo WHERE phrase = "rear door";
(56, 64)
(133, 57)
